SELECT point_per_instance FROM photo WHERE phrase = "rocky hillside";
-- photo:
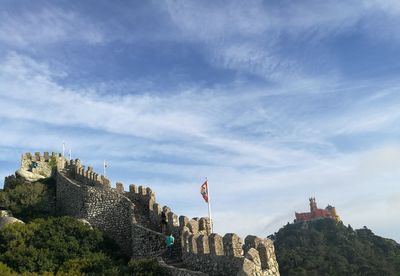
(322, 247)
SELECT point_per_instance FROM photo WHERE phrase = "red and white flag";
(204, 190)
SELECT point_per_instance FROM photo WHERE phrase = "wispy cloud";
(188, 135)
(266, 39)
(307, 128)
(46, 26)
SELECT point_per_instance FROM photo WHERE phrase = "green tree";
(29, 200)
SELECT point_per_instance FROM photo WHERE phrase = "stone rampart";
(146, 242)
(70, 197)
(104, 208)
(38, 156)
(143, 195)
(75, 170)
(227, 255)
(130, 218)
(144, 198)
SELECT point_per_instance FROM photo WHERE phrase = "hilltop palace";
(316, 213)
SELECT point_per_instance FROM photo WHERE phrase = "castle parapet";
(204, 226)
(140, 193)
(201, 250)
(133, 189)
(266, 251)
(173, 223)
(194, 225)
(37, 156)
(77, 171)
(41, 164)
(227, 255)
(216, 245)
(119, 187)
(202, 244)
(233, 245)
(155, 214)
(192, 243)
(185, 240)
(251, 242)
(183, 221)
(146, 198)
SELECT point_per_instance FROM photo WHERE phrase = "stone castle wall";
(36, 167)
(227, 255)
(84, 194)
(77, 171)
(70, 197)
(44, 162)
(143, 198)
(146, 243)
(103, 208)
(132, 218)
(206, 252)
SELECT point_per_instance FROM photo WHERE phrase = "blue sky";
(273, 101)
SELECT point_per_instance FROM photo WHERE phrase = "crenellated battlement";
(141, 193)
(38, 156)
(37, 166)
(133, 219)
(84, 175)
(228, 255)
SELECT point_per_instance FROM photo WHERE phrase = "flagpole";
(63, 148)
(209, 205)
(104, 168)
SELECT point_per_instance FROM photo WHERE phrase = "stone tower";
(313, 204)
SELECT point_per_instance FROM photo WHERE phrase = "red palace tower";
(316, 213)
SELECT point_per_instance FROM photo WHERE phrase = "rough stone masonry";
(132, 218)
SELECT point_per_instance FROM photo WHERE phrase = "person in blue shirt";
(169, 240)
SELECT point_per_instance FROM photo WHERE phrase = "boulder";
(8, 220)
(84, 221)
(30, 176)
(4, 213)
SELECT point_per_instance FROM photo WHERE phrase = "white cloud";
(171, 142)
(198, 118)
(143, 116)
(46, 26)
(200, 20)
(250, 37)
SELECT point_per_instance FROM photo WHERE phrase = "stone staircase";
(142, 218)
(178, 269)
(177, 251)
(176, 259)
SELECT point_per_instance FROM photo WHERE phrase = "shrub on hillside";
(65, 246)
(29, 200)
(44, 245)
(6, 271)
